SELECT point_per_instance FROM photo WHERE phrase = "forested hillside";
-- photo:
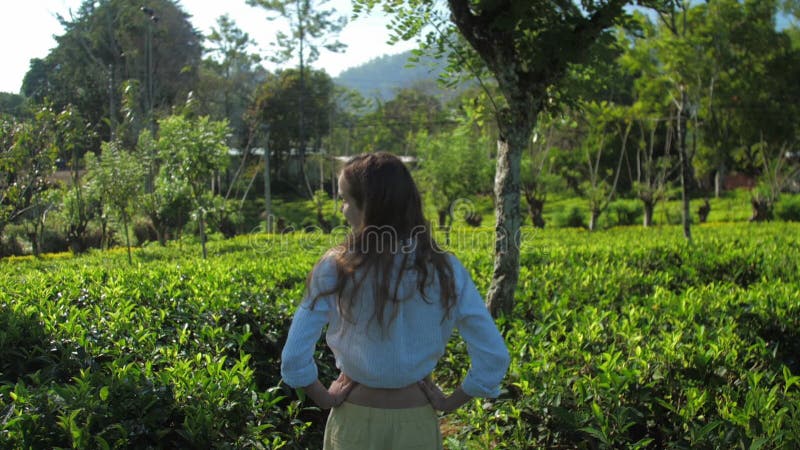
(381, 77)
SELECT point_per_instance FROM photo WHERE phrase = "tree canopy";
(108, 43)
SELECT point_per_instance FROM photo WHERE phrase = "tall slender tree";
(528, 47)
(194, 149)
(229, 76)
(116, 176)
(311, 27)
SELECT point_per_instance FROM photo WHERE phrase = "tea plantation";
(622, 338)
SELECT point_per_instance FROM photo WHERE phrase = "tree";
(527, 46)
(652, 113)
(352, 126)
(399, 119)
(27, 157)
(278, 105)
(105, 44)
(13, 105)
(451, 168)
(36, 217)
(169, 203)
(606, 126)
(229, 77)
(310, 25)
(777, 173)
(193, 150)
(537, 169)
(652, 166)
(116, 177)
(73, 138)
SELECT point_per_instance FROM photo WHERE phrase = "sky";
(27, 28)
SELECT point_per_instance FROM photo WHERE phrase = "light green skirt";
(354, 427)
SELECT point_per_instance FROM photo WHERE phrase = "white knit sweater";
(409, 348)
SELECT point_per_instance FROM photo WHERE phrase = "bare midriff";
(410, 396)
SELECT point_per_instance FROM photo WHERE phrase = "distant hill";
(381, 77)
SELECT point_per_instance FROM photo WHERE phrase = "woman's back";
(389, 313)
(413, 336)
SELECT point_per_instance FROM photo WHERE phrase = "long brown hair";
(382, 188)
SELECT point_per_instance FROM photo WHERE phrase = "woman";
(391, 299)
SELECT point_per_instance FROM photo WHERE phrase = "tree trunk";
(306, 181)
(685, 168)
(703, 211)
(324, 224)
(593, 218)
(203, 232)
(524, 83)
(127, 240)
(104, 238)
(268, 192)
(442, 218)
(535, 209)
(500, 297)
(161, 235)
(649, 206)
(34, 242)
(761, 210)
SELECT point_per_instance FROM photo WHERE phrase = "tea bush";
(625, 212)
(621, 338)
(573, 217)
(788, 208)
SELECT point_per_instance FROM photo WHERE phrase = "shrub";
(788, 208)
(623, 338)
(625, 212)
(571, 218)
(10, 246)
(144, 231)
(53, 242)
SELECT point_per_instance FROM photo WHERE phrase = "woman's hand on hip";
(439, 400)
(340, 388)
(333, 396)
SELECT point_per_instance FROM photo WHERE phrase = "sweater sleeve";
(489, 358)
(298, 367)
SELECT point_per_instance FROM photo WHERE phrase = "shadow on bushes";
(782, 336)
(25, 349)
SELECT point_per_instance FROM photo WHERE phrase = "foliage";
(538, 170)
(777, 174)
(116, 179)
(192, 151)
(78, 209)
(788, 208)
(574, 217)
(452, 166)
(311, 25)
(13, 105)
(621, 338)
(168, 207)
(229, 76)
(411, 111)
(278, 105)
(625, 212)
(28, 154)
(107, 43)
